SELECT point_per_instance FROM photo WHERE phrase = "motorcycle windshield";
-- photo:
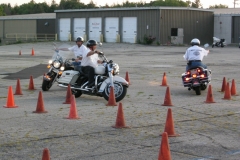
(62, 55)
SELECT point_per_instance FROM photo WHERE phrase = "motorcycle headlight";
(62, 68)
(115, 69)
(50, 62)
(56, 64)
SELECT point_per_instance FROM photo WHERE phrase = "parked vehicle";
(196, 79)
(218, 42)
(105, 77)
(60, 62)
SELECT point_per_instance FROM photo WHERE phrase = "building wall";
(236, 29)
(223, 27)
(1, 28)
(145, 18)
(46, 29)
(195, 24)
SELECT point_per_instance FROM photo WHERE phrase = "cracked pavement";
(207, 131)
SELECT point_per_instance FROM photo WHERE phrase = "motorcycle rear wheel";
(46, 85)
(120, 91)
(198, 90)
(76, 93)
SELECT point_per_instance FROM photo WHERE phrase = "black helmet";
(91, 43)
(195, 41)
(79, 39)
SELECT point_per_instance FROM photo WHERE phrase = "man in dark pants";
(90, 60)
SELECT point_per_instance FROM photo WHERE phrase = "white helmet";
(195, 41)
(79, 39)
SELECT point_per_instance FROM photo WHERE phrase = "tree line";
(32, 7)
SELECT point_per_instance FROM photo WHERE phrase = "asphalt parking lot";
(207, 131)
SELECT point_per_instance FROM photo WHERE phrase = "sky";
(205, 3)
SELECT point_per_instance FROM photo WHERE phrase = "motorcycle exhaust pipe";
(64, 86)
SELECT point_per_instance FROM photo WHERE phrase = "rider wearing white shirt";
(90, 60)
(78, 50)
(194, 55)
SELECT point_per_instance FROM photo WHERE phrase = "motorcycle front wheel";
(120, 91)
(46, 85)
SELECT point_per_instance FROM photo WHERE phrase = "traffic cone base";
(31, 84)
(127, 78)
(164, 80)
(40, 104)
(227, 93)
(167, 99)
(73, 114)
(209, 98)
(164, 151)
(18, 90)
(68, 96)
(233, 89)
(111, 99)
(224, 83)
(120, 120)
(10, 99)
(45, 155)
(169, 125)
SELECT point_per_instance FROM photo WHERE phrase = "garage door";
(111, 29)
(129, 31)
(79, 27)
(95, 28)
(64, 29)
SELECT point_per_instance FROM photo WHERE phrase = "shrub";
(148, 39)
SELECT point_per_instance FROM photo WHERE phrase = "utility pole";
(235, 2)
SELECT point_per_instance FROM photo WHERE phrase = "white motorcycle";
(105, 77)
(218, 42)
(60, 61)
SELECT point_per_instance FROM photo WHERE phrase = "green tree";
(219, 6)
(196, 4)
(2, 11)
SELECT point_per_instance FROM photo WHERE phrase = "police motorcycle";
(218, 42)
(196, 78)
(105, 77)
(59, 62)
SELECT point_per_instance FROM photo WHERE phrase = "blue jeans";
(195, 65)
(76, 63)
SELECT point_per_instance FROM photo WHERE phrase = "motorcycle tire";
(198, 90)
(203, 87)
(120, 91)
(222, 45)
(46, 85)
(212, 45)
(76, 93)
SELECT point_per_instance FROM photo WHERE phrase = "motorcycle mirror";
(206, 45)
(100, 44)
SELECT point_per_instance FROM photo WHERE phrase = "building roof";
(30, 16)
(235, 11)
(131, 8)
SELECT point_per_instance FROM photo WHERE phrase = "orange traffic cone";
(169, 125)
(18, 90)
(224, 83)
(164, 152)
(20, 52)
(68, 95)
(111, 99)
(45, 155)
(209, 98)
(233, 89)
(10, 99)
(127, 78)
(120, 120)
(73, 109)
(32, 52)
(167, 99)
(227, 94)
(40, 104)
(164, 80)
(31, 84)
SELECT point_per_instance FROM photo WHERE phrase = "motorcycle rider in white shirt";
(77, 49)
(90, 60)
(194, 55)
